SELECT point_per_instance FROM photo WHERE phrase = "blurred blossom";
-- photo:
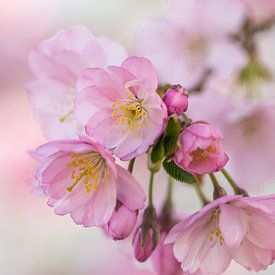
(194, 38)
(260, 11)
(248, 127)
(164, 260)
(57, 63)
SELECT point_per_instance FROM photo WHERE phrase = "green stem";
(199, 191)
(185, 119)
(151, 185)
(237, 189)
(131, 165)
(169, 192)
(218, 190)
(165, 219)
(214, 180)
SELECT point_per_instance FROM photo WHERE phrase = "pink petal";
(129, 191)
(216, 261)
(142, 69)
(252, 257)
(88, 102)
(109, 85)
(102, 203)
(234, 224)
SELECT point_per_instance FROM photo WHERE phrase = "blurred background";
(33, 240)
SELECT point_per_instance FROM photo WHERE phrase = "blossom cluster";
(100, 107)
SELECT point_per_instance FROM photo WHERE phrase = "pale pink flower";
(249, 129)
(232, 227)
(176, 100)
(120, 106)
(260, 11)
(200, 149)
(194, 38)
(56, 64)
(122, 222)
(164, 261)
(80, 178)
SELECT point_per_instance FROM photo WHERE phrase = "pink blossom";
(249, 130)
(56, 64)
(200, 150)
(260, 11)
(176, 100)
(193, 38)
(121, 223)
(80, 178)
(120, 106)
(232, 227)
(164, 260)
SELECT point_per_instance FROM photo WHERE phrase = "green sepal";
(177, 173)
(163, 89)
(171, 135)
(157, 153)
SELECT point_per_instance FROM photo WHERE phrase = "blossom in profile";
(200, 149)
(56, 64)
(121, 108)
(122, 222)
(80, 178)
(194, 38)
(231, 227)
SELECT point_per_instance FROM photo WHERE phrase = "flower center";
(214, 227)
(91, 167)
(202, 154)
(130, 114)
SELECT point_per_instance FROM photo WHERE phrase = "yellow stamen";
(66, 116)
(90, 167)
(215, 230)
(130, 114)
(203, 154)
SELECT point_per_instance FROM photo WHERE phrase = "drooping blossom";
(56, 64)
(192, 39)
(200, 149)
(176, 100)
(231, 227)
(248, 126)
(122, 222)
(120, 106)
(164, 261)
(80, 178)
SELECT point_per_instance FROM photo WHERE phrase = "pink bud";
(176, 100)
(144, 250)
(121, 223)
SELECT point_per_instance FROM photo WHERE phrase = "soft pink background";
(32, 239)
